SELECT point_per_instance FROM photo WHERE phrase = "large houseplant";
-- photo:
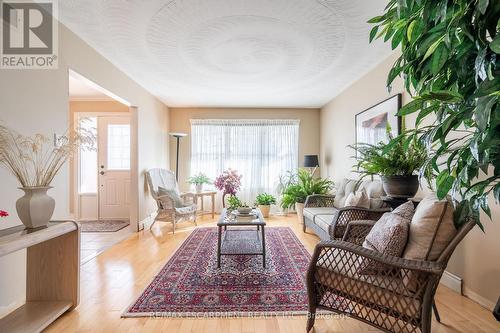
(450, 62)
(35, 161)
(295, 194)
(397, 163)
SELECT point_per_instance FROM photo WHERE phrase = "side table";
(202, 195)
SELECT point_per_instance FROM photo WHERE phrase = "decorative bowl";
(244, 210)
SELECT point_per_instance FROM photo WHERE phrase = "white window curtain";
(260, 150)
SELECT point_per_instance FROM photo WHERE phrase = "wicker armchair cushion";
(388, 236)
(387, 291)
(431, 229)
(186, 210)
(373, 189)
(173, 194)
(357, 199)
(312, 212)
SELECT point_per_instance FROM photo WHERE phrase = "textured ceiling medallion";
(280, 53)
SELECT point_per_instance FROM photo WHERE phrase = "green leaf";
(495, 44)
(376, 19)
(411, 107)
(482, 5)
(496, 193)
(409, 31)
(446, 96)
(444, 182)
(439, 58)
(425, 112)
(432, 48)
(483, 111)
(373, 33)
(396, 39)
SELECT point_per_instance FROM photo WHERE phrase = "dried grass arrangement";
(36, 160)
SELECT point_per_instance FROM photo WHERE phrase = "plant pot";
(400, 186)
(299, 208)
(36, 207)
(199, 188)
(264, 209)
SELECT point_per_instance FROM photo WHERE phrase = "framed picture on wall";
(372, 123)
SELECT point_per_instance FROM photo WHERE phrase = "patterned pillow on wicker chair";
(388, 236)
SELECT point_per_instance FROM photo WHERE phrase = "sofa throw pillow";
(431, 229)
(388, 236)
(172, 194)
(357, 199)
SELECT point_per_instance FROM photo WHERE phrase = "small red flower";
(3, 213)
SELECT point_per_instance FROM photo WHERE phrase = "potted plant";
(295, 194)
(264, 202)
(397, 163)
(198, 180)
(229, 182)
(35, 161)
(234, 203)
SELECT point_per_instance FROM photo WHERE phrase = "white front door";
(114, 167)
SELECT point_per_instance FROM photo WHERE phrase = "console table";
(52, 273)
(202, 195)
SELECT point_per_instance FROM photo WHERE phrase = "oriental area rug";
(190, 284)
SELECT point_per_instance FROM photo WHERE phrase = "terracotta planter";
(400, 186)
(36, 207)
(299, 208)
(265, 210)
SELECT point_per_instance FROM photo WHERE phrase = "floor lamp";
(177, 136)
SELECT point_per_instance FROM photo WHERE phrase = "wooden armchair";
(160, 180)
(399, 300)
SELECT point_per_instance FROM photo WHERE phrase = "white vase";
(36, 207)
(199, 188)
(299, 208)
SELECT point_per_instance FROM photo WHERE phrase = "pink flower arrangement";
(3, 213)
(229, 182)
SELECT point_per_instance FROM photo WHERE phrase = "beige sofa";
(327, 216)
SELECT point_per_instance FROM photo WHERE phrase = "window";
(88, 160)
(119, 147)
(261, 151)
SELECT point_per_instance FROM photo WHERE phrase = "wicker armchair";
(167, 211)
(399, 300)
(340, 218)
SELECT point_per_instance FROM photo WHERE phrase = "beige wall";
(34, 101)
(477, 260)
(180, 117)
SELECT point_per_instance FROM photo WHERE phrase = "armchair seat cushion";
(312, 212)
(384, 290)
(185, 210)
(321, 216)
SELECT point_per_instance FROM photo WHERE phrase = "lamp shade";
(311, 161)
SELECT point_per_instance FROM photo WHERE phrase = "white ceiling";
(233, 53)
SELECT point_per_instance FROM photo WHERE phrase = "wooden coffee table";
(246, 242)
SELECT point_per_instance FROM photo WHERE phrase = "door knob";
(102, 172)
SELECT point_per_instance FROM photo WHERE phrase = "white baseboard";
(147, 221)
(479, 299)
(452, 281)
(455, 283)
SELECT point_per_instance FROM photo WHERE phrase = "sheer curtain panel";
(260, 150)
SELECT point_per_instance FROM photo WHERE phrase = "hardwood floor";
(113, 279)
